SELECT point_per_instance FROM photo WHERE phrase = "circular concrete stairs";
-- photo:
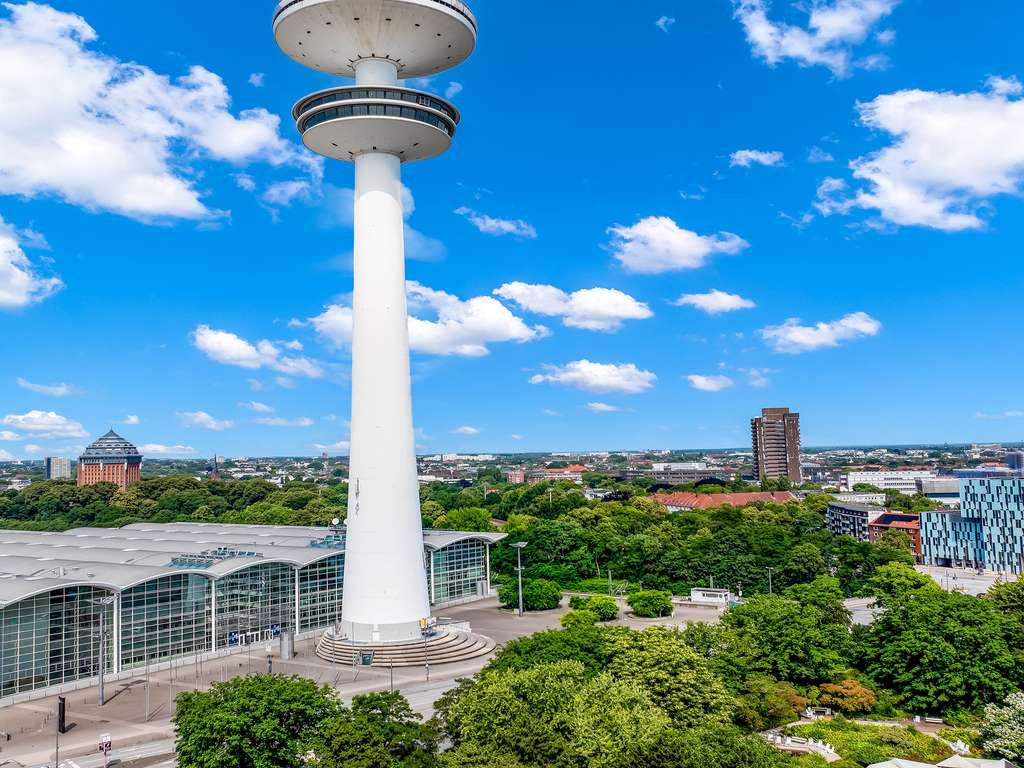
(446, 647)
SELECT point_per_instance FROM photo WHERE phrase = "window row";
(381, 93)
(379, 110)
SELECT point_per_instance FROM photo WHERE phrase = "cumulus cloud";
(833, 32)
(45, 425)
(116, 136)
(156, 449)
(230, 349)
(793, 338)
(709, 383)
(602, 408)
(498, 227)
(257, 79)
(131, 420)
(6, 455)
(999, 416)
(715, 302)
(818, 155)
(950, 153)
(593, 309)
(748, 157)
(21, 282)
(302, 421)
(453, 90)
(256, 407)
(664, 23)
(758, 377)
(204, 420)
(467, 431)
(457, 327)
(8, 436)
(284, 193)
(657, 244)
(54, 390)
(625, 378)
(342, 446)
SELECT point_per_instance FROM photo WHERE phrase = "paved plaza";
(140, 726)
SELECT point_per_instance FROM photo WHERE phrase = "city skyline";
(194, 291)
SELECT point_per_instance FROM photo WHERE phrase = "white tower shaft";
(385, 582)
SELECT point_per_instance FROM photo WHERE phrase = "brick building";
(111, 459)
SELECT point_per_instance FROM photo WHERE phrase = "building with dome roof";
(111, 459)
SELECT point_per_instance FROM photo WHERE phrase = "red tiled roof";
(570, 470)
(709, 500)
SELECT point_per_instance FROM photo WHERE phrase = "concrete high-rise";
(776, 442)
(58, 468)
(378, 124)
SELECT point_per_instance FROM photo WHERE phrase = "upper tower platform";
(421, 37)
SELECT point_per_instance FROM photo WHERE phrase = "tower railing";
(456, 5)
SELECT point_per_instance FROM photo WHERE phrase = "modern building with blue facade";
(168, 593)
(987, 532)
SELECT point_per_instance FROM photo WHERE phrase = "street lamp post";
(103, 602)
(519, 571)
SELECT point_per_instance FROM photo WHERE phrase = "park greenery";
(861, 744)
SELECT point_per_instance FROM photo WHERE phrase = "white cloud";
(551, 413)
(602, 408)
(468, 431)
(284, 382)
(463, 328)
(998, 416)
(709, 383)
(949, 154)
(664, 23)
(252, 405)
(818, 155)
(21, 284)
(257, 79)
(284, 193)
(626, 378)
(518, 437)
(54, 390)
(834, 30)
(302, 421)
(45, 425)
(230, 349)
(245, 182)
(715, 302)
(117, 136)
(492, 226)
(747, 157)
(156, 449)
(793, 338)
(32, 448)
(453, 90)
(758, 377)
(656, 244)
(131, 420)
(342, 446)
(1004, 86)
(204, 420)
(8, 436)
(593, 309)
(256, 385)
(6, 455)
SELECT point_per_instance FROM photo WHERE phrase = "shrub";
(578, 602)
(581, 618)
(849, 696)
(651, 604)
(538, 595)
(606, 608)
(870, 744)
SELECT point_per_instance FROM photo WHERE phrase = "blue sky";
(815, 206)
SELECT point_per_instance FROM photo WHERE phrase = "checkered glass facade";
(459, 571)
(165, 619)
(320, 588)
(255, 604)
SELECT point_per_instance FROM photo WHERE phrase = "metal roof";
(34, 562)
(111, 446)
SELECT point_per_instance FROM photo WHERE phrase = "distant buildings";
(987, 533)
(683, 502)
(776, 442)
(572, 473)
(111, 459)
(58, 468)
(1015, 460)
(849, 518)
(945, 490)
(902, 480)
(907, 522)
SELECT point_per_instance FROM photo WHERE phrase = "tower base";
(380, 633)
(445, 647)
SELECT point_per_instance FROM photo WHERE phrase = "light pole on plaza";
(519, 571)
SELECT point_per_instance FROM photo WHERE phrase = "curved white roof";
(117, 559)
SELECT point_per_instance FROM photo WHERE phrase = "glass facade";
(415, 97)
(459, 571)
(379, 110)
(164, 619)
(255, 604)
(320, 586)
(53, 638)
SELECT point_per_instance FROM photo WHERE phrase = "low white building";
(708, 596)
(902, 480)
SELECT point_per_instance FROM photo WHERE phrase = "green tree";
(679, 681)
(651, 603)
(1008, 598)
(586, 645)
(606, 608)
(465, 519)
(379, 731)
(805, 564)
(711, 747)
(1003, 729)
(261, 721)
(538, 595)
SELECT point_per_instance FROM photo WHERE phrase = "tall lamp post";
(519, 572)
(103, 602)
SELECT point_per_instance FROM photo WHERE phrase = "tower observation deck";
(378, 123)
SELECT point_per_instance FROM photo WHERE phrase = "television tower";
(378, 124)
